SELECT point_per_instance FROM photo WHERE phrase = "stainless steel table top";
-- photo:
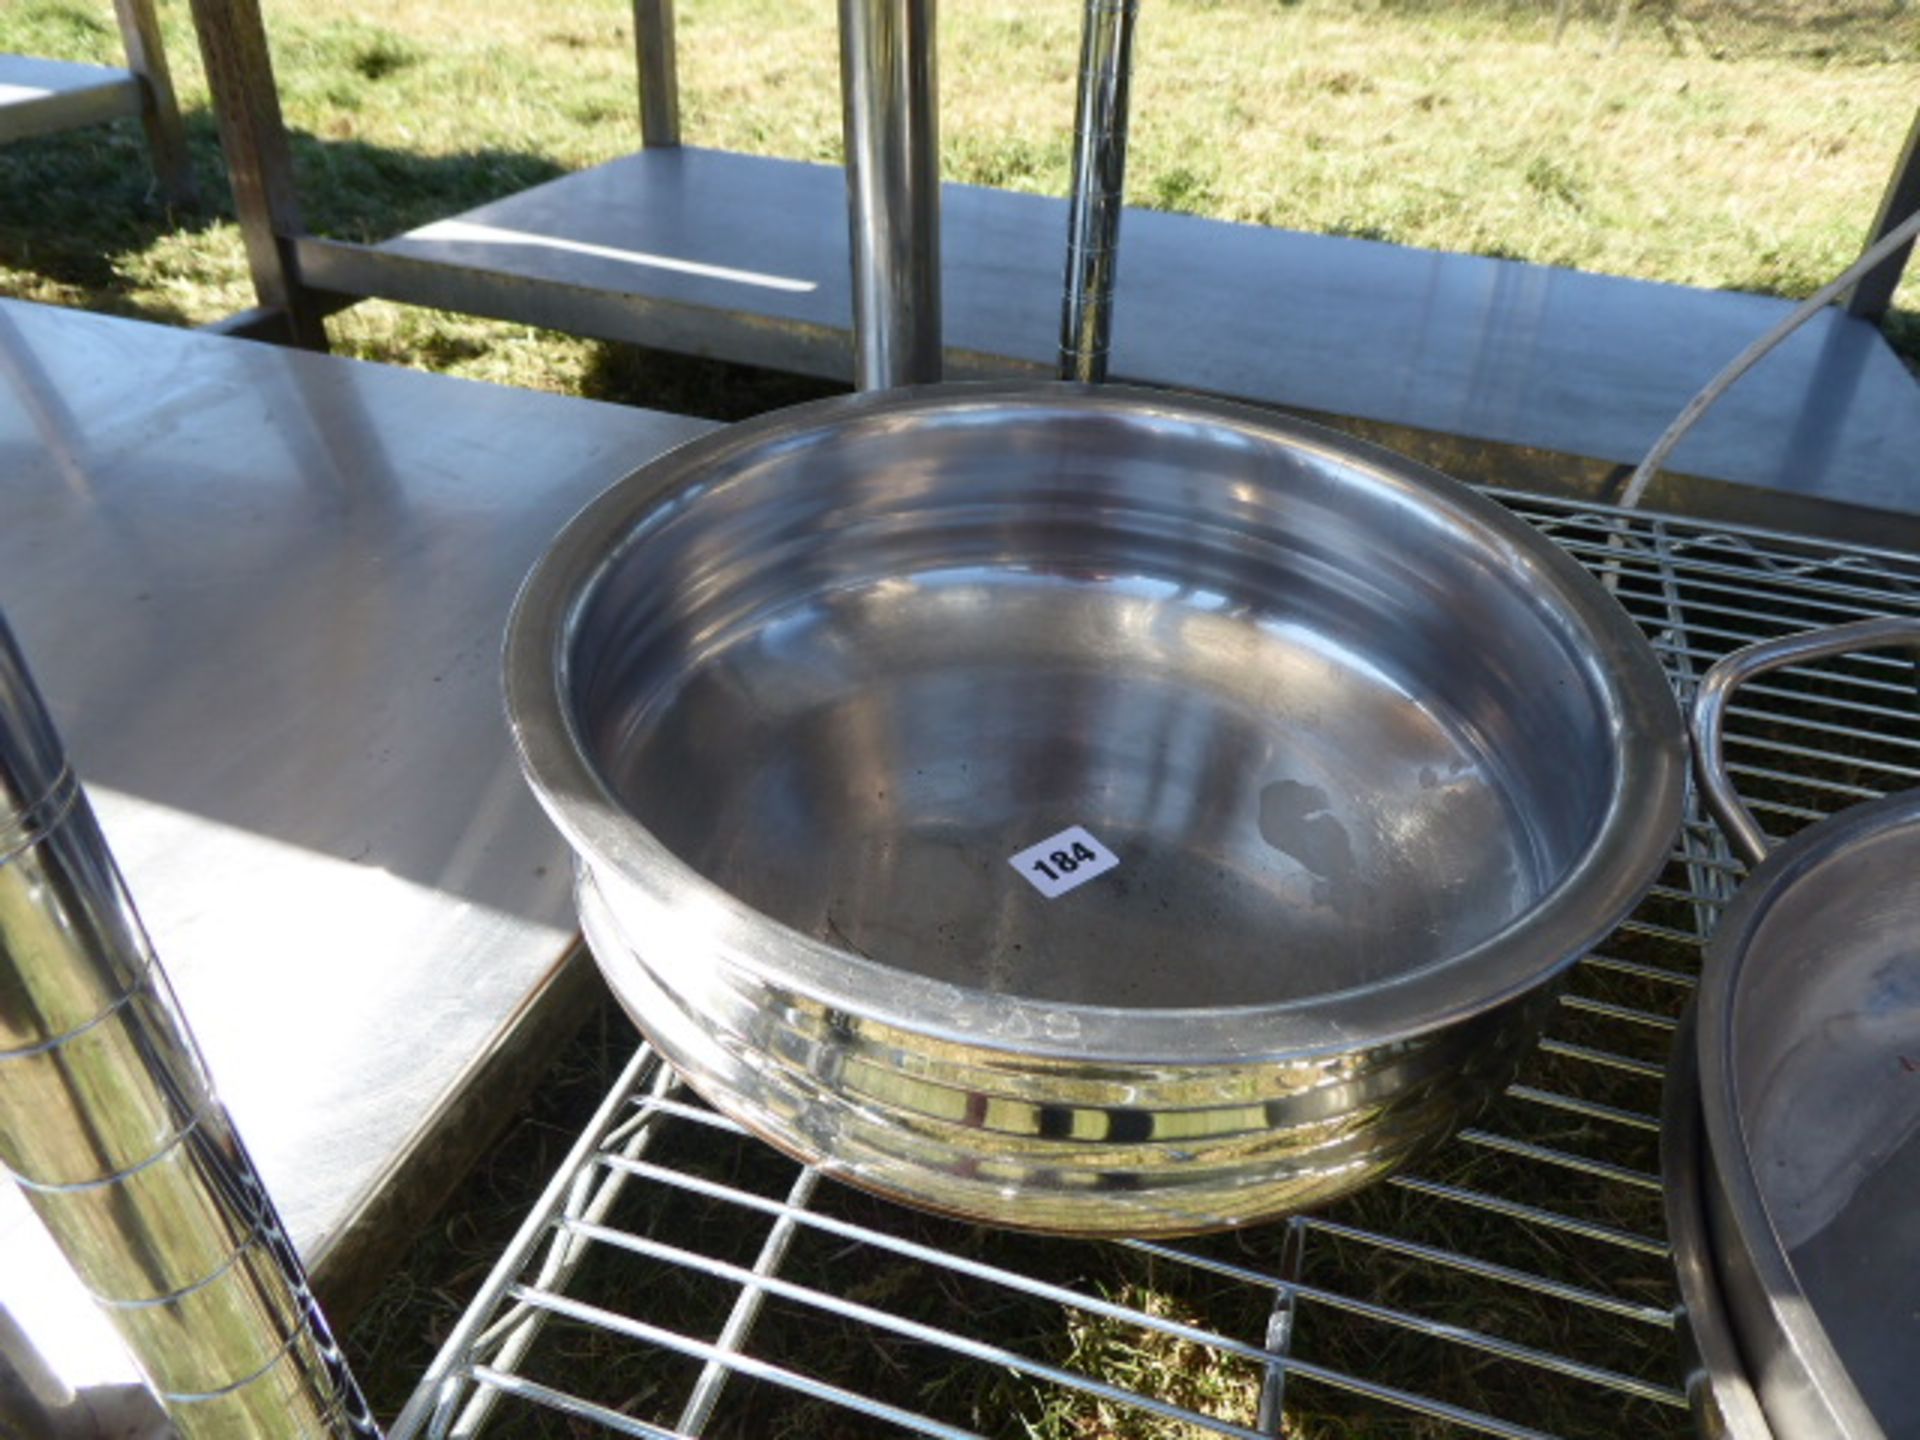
(264, 592)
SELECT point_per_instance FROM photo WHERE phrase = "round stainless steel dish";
(1719, 1389)
(1377, 763)
(1806, 1056)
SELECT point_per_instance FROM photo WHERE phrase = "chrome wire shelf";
(679, 1278)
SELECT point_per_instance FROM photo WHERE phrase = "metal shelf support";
(110, 1125)
(1873, 295)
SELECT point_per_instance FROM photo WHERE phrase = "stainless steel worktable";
(264, 592)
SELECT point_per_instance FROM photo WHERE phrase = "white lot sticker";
(1064, 862)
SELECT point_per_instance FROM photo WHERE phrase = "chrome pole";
(659, 73)
(109, 1124)
(891, 113)
(1099, 180)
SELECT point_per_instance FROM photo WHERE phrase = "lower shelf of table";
(745, 258)
(40, 97)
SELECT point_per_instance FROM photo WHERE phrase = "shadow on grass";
(82, 207)
(351, 190)
(1864, 32)
(79, 205)
(695, 385)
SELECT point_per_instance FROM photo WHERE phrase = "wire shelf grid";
(679, 1278)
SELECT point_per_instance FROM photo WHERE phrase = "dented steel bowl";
(1086, 810)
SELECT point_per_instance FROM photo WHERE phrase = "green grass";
(1720, 144)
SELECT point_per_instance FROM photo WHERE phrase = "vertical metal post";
(159, 108)
(659, 73)
(233, 43)
(1282, 1320)
(1874, 293)
(887, 77)
(1099, 180)
(109, 1124)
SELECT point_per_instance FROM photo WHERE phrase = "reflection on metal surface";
(1717, 1384)
(892, 122)
(1377, 764)
(268, 625)
(472, 233)
(1099, 185)
(19, 94)
(108, 1122)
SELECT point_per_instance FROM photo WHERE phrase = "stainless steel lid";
(1810, 1072)
(1808, 1049)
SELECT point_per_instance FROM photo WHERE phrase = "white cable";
(1643, 473)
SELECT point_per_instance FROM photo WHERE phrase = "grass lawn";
(1738, 145)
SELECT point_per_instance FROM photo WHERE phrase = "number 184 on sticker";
(1064, 861)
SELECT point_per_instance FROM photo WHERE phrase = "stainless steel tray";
(1801, 1050)
(679, 1278)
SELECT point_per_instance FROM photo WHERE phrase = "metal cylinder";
(659, 73)
(1099, 180)
(109, 1124)
(891, 110)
